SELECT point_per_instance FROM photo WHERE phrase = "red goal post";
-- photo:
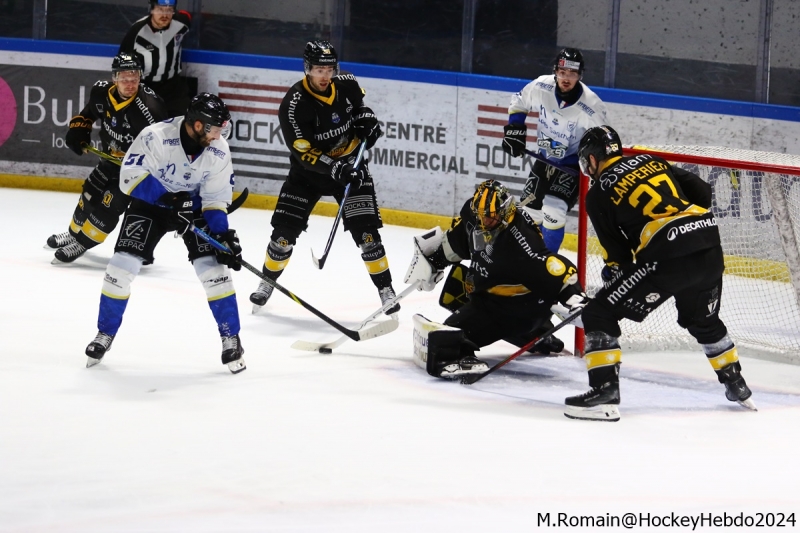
(756, 200)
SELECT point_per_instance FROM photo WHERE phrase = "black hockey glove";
(514, 139)
(344, 173)
(95, 186)
(366, 126)
(181, 205)
(79, 133)
(231, 240)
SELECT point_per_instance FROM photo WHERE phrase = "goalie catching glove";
(424, 267)
(233, 259)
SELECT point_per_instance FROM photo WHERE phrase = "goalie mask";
(602, 142)
(494, 208)
(320, 53)
(211, 111)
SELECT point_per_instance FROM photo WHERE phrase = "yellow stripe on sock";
(93, 232)
(275, 266)
(724, 359)
(377, 266)
(221, 296)
(603, 358)
(115, 296)
(74, 228)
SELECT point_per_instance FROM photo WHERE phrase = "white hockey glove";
(573, 303)
(420, 268)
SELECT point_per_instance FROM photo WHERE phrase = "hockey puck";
(325, 350)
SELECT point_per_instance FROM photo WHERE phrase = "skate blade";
(91, 361)
(600, 413)
(476, 369)
(256, 308)
(49, 248)
(237, 366)
(748, 403)
(57, 262)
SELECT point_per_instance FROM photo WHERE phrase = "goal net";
(756, 201)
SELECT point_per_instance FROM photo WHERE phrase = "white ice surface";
(161, 437)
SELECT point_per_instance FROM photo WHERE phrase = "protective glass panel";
(784, 82)
(689, 48)
(17, 18)
(108, 20)
(405, 33)
(520, 38)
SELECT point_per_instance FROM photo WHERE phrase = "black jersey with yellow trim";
(122, 120)
(515, 270)
(644, 209)
(318, 128)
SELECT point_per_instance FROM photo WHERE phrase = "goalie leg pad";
(443, 351)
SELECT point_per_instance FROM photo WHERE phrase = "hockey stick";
(327, 347)
(319, 263)
(469, 379)
(381, 328)
(101, 154)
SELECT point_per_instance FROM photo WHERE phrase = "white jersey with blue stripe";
(157, 152)
(559, 129)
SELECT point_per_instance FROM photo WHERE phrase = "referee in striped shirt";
(157, 39)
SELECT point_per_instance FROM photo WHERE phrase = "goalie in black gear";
(323, 120)
(661, 239)
(123, 107)
(512, 282)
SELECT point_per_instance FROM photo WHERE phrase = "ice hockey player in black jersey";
(512, 282)
(124, 107)
(661, 240)
(323, 120)
(157, 41)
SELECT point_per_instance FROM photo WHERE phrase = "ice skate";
(68, 253)
(466, 365)
(59, 240)
(736, 390)
(600, 403)
(232, 352)
(387, 294)
(98, 348)
(261, 295)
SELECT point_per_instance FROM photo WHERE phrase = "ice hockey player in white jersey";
(177, 173)
(566, 108)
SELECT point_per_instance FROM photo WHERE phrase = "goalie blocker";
(442, 351)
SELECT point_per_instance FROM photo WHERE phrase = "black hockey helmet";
(210, 110)
(124, 62)
(320, 53)
(492, 201)
(569, 58)
(602, 142)
(164, 3)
